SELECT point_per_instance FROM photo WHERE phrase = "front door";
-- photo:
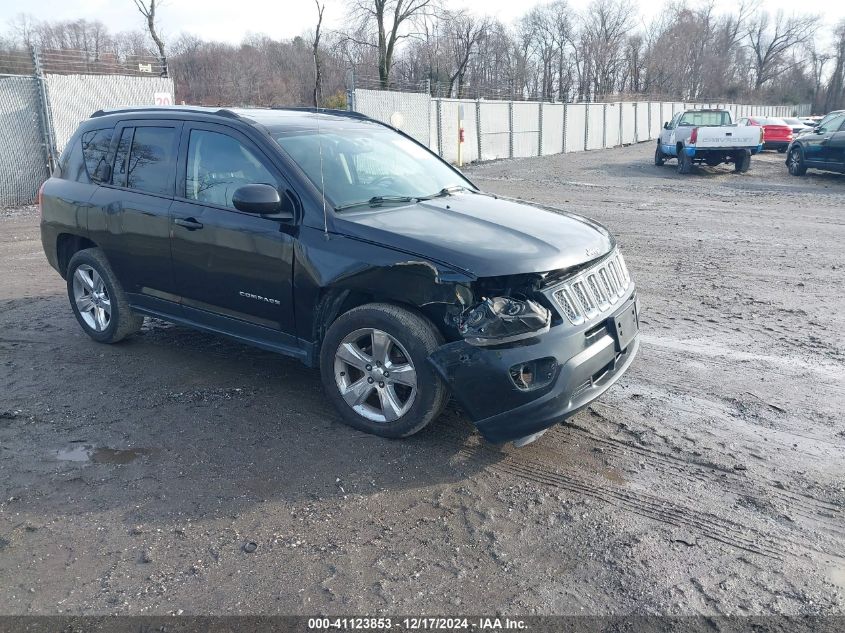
(836, 145)
(233, 270)
(817, 149)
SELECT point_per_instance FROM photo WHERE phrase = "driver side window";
(833, 125)
(218, 165)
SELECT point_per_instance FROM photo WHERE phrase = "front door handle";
(189, 223)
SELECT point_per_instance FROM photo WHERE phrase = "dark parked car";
(821, 148)
(339, 241)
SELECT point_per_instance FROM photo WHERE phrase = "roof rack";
(220, 112)
(348, 113)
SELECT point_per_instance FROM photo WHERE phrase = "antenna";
(317, 94)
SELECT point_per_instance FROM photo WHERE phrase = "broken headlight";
(502, 320)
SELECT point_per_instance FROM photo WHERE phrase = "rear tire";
(684, 162)
(659, 158)
(742, 161)
(367, 360)
(97, 298)
(795, 161)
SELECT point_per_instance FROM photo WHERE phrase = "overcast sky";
(230, 21)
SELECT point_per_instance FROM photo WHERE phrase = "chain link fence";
(23, 154)
(514, 129)
(44, 97)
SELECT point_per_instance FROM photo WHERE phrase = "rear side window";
(95, 146)
(150, 167)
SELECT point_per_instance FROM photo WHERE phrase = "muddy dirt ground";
(710, 479)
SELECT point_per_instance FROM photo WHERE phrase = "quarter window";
(218, 165)
(150, 167)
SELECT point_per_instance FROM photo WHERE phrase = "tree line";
(689, 51)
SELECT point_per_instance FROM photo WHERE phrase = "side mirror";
(261, 200)
(666, 125)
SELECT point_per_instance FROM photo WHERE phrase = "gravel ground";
(183, 473)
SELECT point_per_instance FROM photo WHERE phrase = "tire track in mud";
(727, 481)
(708, 525)
(657, 509)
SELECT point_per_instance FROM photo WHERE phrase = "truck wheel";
(97, 298)
(795, 162)
(684, 162)
(374, 367)
(742, 161)
(659, 159)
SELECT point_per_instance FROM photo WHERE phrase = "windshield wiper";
(446, 191)
(376, 201)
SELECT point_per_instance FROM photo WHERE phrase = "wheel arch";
(334, 302)
(67, 245)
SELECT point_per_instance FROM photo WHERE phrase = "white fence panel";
(449, 130)
(643, 129)
(629, 123)
(552, 128)
(576, 118)
(432, 129)
(595, 126)
(612, 131)
(655, 120)
(453, 113)
(495, 130)
(526, 129)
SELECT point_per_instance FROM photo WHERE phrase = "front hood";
(482, 235)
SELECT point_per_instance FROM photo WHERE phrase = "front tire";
(795, 162)
(97, 298)
(659, 158)
(373, 363)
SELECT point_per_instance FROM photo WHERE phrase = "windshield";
(705, 118)
(772, 121)
(367, 163)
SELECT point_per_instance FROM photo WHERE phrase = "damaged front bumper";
(569, 367)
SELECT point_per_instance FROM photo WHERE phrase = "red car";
(777, 134)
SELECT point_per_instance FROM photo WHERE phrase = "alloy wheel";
(92, 298)
(794, 160)
(375, 375)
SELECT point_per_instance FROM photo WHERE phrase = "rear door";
(233, 270)
(132, 223)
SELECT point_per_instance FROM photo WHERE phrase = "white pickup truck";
(709, 137)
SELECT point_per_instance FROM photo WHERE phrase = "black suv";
(340, 241)
(823, 147)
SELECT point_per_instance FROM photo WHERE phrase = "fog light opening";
(533, 374)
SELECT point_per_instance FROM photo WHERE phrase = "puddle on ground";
(101, 455)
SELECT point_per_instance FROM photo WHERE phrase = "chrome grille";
(593, 291)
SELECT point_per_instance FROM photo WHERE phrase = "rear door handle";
(189, 223)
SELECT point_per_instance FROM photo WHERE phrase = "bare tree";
(464, 32)
(318, 71)
(771, 39)
(147, 8)
(389, 18)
